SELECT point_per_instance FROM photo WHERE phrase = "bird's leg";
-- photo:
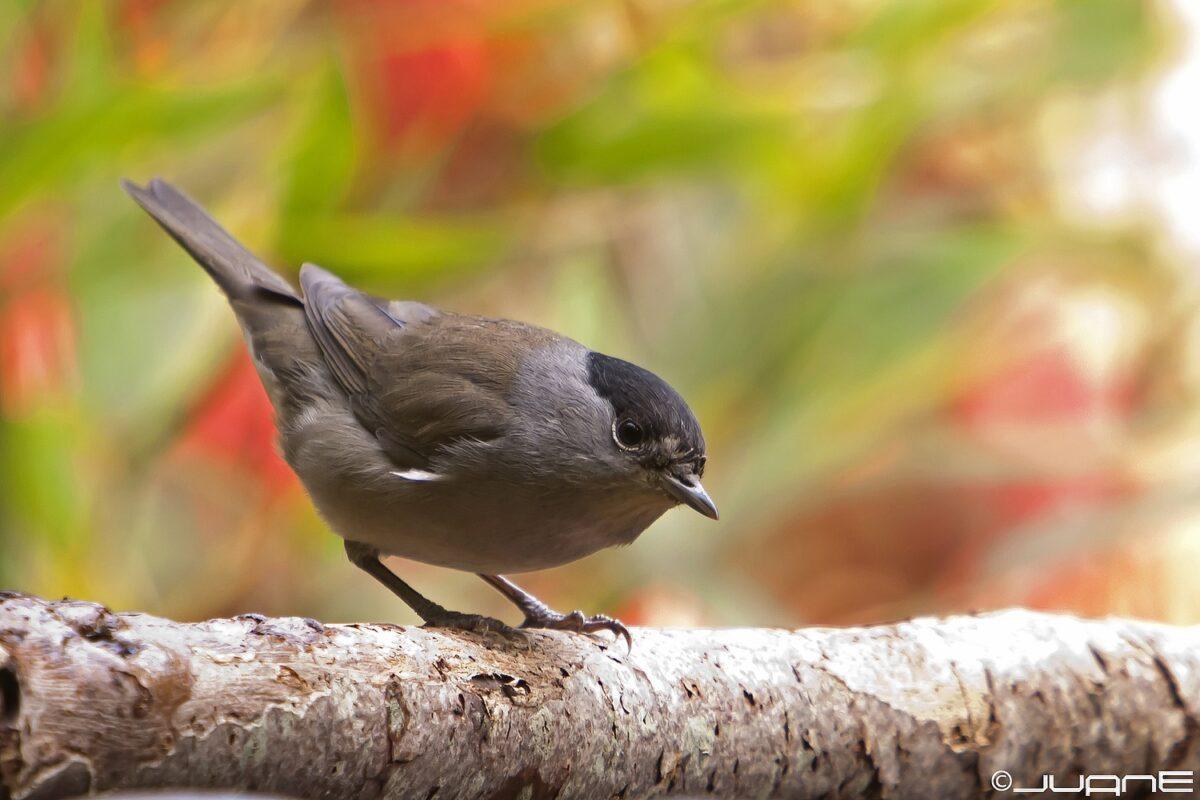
(366, 558)
(539, 615)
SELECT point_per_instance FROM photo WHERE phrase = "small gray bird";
(471, 443)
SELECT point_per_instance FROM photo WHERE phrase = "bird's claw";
(576, 622)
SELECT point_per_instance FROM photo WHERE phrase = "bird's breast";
(482, 527)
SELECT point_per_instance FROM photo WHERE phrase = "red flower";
(37, 349)
(37, 328)
(429, 95)
(422, 70)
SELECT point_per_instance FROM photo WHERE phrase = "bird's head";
(653, 428)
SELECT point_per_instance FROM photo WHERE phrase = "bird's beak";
(689, 492)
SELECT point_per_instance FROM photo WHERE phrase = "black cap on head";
(641, 396)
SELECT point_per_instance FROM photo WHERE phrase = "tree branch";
(91, 700)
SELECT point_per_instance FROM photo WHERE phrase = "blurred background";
(927, 271)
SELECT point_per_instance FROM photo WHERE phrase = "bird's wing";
(418, 378)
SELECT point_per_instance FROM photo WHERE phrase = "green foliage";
(760, 199)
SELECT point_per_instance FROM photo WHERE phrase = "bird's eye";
(628, 434)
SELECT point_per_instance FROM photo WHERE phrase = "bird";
(478, 444)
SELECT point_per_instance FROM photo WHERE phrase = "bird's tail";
(235, 269)
(270, 311)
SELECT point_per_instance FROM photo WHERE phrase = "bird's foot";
(476, 623)
(576, 622)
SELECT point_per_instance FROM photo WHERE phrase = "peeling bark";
(91, 700)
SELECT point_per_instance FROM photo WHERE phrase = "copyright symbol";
(1001, 780)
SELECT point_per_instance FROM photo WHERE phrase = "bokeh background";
(927, 270)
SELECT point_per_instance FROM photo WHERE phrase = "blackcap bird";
(471, 443)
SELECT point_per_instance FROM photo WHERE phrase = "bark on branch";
(91, 700)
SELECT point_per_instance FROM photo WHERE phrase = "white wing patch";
(417, 475)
